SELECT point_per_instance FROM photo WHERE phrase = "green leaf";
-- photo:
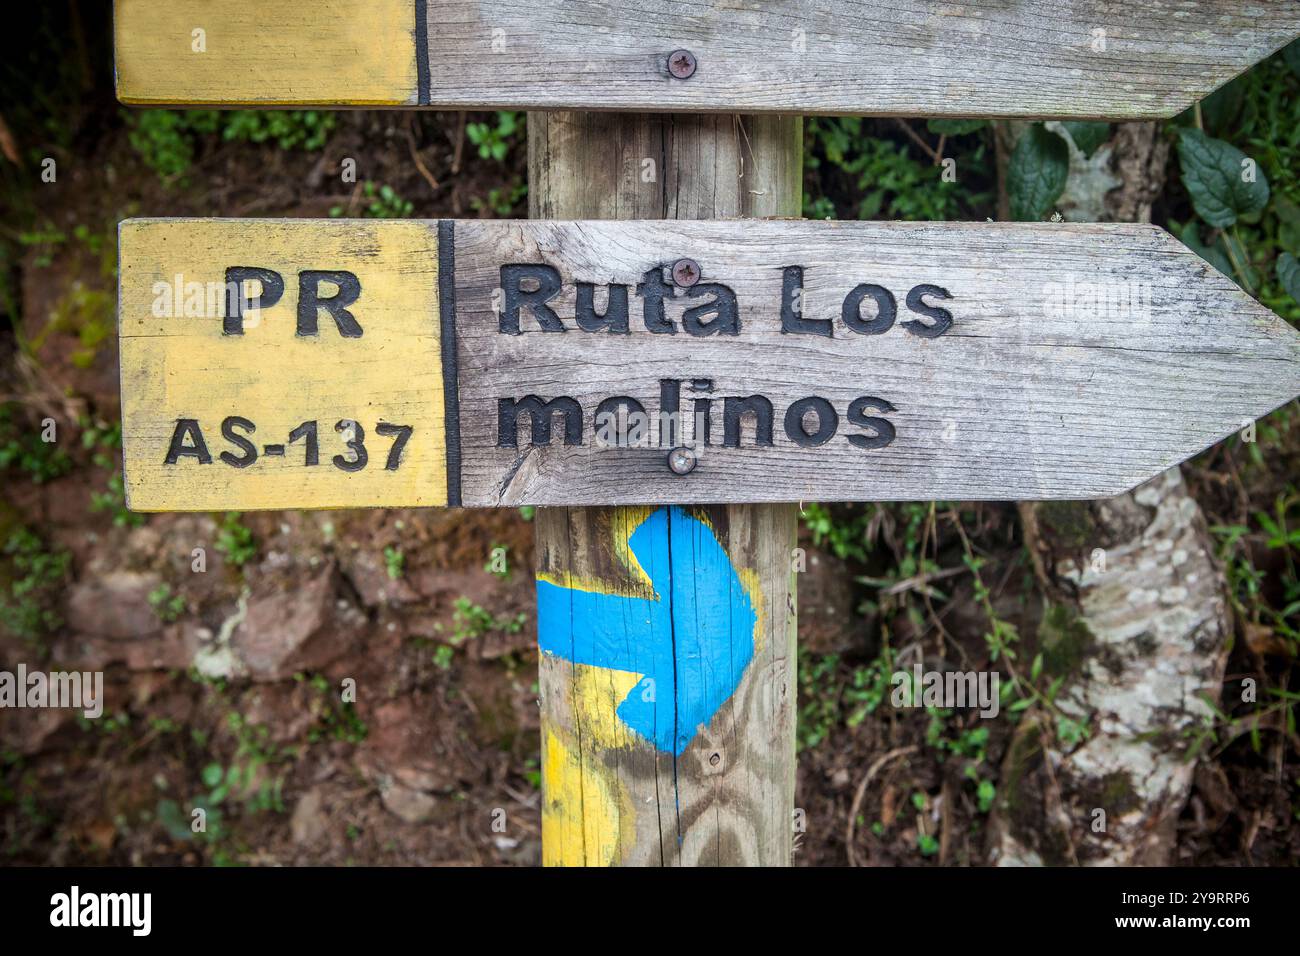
(212, 774)
(1036, 173)
(1214, 255)
(954, 127)
(174, 820)
(1088, 136)
(1291, 55)
(1215, 175)
(1288, 272)
(1220, 110)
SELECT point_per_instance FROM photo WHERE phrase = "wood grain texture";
(177, 363)
(610, 796)
(723, 793)
(266, 53)
(1009, 58)
(1081, 361)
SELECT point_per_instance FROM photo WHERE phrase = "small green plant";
(495, 139)
(470, 620)
(105, 442)
(337, 718)
(846, 537)
(38, 572)
(168, 606)
(23, 450)
(235, 540)
(167, 140)
(288, 129)
(502, 200)
(383, 202)
(879, 176)
(833, 695)
(394, 562)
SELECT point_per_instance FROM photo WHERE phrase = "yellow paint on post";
(180, 364)
(283, 52)
(586, 814)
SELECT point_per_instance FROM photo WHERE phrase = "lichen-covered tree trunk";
(1135, 625)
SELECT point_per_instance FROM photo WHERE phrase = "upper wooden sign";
(305, 363)
(1014, 58)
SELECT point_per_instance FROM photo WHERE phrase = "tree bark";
(1135, 625)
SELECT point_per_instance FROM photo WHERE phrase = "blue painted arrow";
(692, 648)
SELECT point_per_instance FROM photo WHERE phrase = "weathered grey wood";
(1081, 360)
(1010, 58)
(609, 795)
(1021, 399)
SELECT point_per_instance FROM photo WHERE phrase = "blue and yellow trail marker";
(690, 635)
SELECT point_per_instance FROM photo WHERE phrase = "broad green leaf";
(1218, 178)
(1214, 255)
(212, 774)
(1220, 109)
(1088, 136)
(1291, 54)
(954, 127)
(1288, 273)
(1036, 173)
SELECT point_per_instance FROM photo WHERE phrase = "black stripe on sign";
(422, 52)
(450, 376)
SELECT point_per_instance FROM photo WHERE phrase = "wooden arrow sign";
(316, 364)
(1023, 58)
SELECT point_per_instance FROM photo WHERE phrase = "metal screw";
(715, 759)
(686, 272)
(681, 461)
(681, 64)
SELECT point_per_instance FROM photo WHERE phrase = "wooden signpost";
(487, 363)
(1087, 58)
(621, 369)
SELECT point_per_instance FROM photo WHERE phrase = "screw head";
(681, 461)
(681, 63)
(686, 272)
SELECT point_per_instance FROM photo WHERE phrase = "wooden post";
(679, 750)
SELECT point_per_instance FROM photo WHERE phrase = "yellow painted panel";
(287, 52)
(178, 364)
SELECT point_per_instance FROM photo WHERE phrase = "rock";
(114, 605)
(304, 628)
(309, 825)
(369, 575)
(413, 806)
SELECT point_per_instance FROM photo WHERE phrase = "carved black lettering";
(723, 307)
(515, 296)
(886, 309)
(653, 290)
(615, 317)
(249, 450)
(796, 416)
(703, 422)
(883, 428)
(310, 301)
(238, 302)
(942, 317)
(670, 410)
(792, 320)
(542, 415)
(616, 424)
(734, 409)
(197, 448)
